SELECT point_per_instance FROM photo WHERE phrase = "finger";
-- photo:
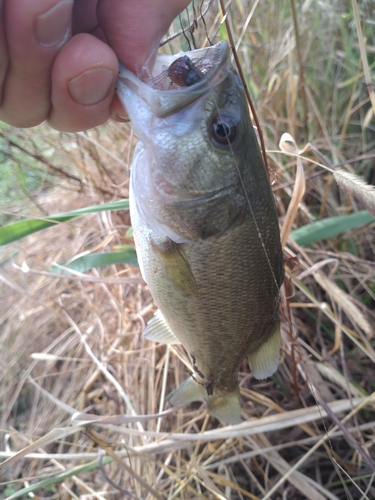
(4, 59)
(83, 84)
(134, 30)
(84, 16)
(35, 32)
(134, 27)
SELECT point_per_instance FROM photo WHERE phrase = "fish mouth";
(207, 61)
(157, 88)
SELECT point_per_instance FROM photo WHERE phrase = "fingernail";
(92, 86)
(54, 26)
(122, 118)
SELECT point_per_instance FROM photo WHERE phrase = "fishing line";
(184, 33)
(204, 21)
(327, 433)
(247, 93)
(117, 487)
(226, 21)
(252, 211)
(183, 30)
(338, 424)
(239, 67)
(335, 463)
(248, 202)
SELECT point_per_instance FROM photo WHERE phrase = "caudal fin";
(225, 407)
(265, 360)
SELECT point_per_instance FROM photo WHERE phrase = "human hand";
(59, 58)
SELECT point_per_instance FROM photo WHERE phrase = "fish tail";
(225, 407)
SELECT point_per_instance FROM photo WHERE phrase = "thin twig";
(300, 66)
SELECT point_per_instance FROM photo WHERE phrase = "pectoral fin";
(176, 266)
(265, 360)
(157, 329)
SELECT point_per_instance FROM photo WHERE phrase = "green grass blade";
(17, 230)
(94, 260)
(329, 227)
(58, 478)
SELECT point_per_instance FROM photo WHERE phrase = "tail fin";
(225, 407)
(265, 360)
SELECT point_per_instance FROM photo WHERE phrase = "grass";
(72, 343)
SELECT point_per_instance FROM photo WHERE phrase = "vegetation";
(81, 390)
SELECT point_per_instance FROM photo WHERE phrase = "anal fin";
(265, 360)
(188, 392)
(157, 329)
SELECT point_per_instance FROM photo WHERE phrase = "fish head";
(191, 117)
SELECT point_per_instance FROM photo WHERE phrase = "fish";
(204, 222)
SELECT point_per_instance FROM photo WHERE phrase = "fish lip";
(166, 102)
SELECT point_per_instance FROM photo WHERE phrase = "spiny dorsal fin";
(157, 329)
(265, 360)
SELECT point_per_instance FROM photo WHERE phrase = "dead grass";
(73, 343)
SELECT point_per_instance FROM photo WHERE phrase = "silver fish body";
(205, 226)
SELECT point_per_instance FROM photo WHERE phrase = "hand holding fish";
(59, 58)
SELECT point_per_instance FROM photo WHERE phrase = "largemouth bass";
(205, 223)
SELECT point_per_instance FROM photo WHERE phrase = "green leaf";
(20, 229)
(58, 478)
(89, 261)
(329, 227)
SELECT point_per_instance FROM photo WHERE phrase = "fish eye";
(224, 129)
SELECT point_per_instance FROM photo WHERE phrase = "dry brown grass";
(73, 343)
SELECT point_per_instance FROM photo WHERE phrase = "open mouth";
(177, 80)
(185, 69)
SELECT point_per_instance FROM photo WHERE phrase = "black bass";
(205, 223)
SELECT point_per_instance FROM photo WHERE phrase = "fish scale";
(206, 228)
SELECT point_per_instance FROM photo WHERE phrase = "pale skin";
(59, 58)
